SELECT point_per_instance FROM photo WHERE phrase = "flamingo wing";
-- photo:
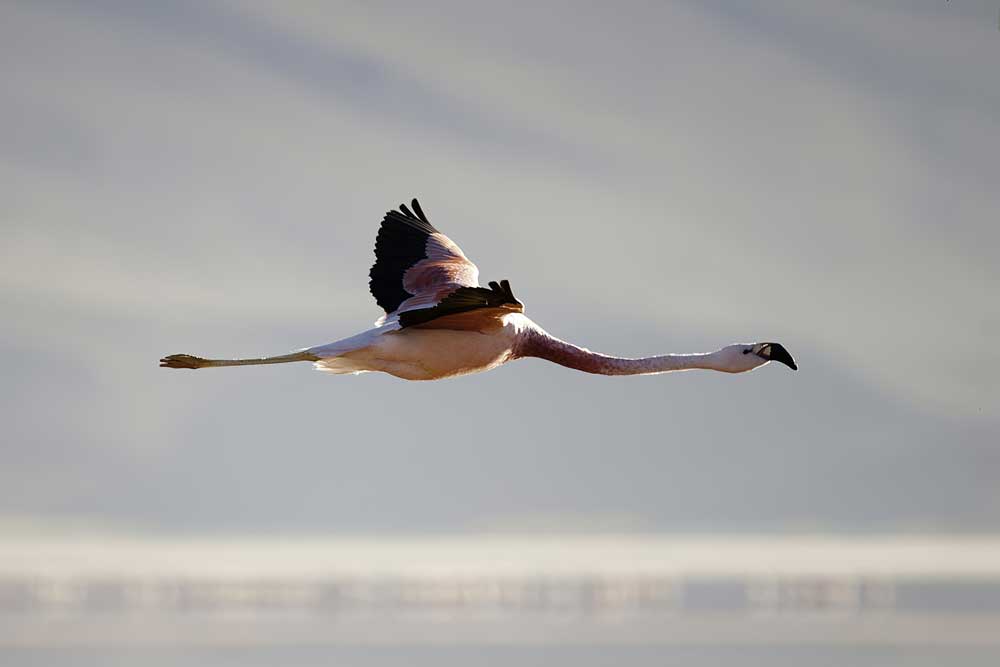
(469, 308)
(420, 274)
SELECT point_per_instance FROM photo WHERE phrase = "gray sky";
(208, 177)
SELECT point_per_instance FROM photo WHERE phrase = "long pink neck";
(538, 343)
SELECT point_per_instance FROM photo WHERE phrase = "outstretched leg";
(188, 361)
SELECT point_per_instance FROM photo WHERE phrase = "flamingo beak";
(780, 354)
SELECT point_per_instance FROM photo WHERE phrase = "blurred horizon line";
(501, 555)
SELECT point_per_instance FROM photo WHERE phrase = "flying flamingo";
(440, 323)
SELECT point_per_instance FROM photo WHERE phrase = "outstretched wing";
(416, 266)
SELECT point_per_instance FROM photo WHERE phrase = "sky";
(208, 178)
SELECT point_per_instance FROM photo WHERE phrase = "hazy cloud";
(208, 177)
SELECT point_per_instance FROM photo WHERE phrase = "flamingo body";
(424, 353)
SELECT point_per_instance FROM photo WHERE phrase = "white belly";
(431, 354)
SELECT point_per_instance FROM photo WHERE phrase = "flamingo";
(440, 323)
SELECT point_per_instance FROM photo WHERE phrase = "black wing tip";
(419, 211)
(401, 242)
(414, 218)
(416, 214)
(503, 287)
(462, 300)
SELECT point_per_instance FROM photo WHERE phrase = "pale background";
(208, 177)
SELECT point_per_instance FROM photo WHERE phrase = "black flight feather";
(462, 300)
(420, 212)
(401, 243)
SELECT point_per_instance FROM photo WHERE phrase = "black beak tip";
(780, 354)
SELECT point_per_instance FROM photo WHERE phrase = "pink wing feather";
(416, 266)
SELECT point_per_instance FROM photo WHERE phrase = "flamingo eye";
(747, 351)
